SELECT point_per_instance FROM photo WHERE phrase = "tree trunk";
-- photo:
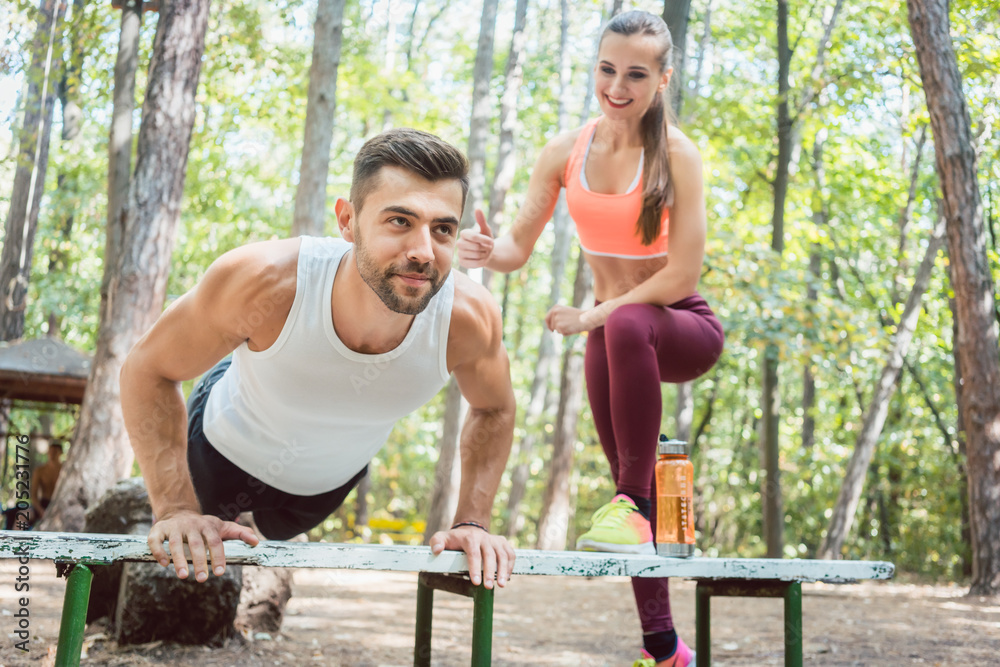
(524, 450)
(309, 217)
(29, 177)
(444, 498)
(819, 216)
(361, 502)
(503, 174)
(675, 14)
(120, 141)
(480, 123)
(447, 472)
(684, 411)
(971, 281)
(553, 524)
(854, 477)
(770, 398)
(69, 93)
(100, 454)
(702, 53)
(906, 214)
(389, 65)
(962, 459)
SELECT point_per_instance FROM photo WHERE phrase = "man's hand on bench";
(491, 558)
(199, 532)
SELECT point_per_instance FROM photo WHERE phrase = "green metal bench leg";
(425, 613)
(790, 591)
(703, 625)
(482, 616)
(793, 625)
(74, 616)
(482, 626)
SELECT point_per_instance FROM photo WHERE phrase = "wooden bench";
(75, 553)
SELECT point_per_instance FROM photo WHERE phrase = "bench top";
(101, 548)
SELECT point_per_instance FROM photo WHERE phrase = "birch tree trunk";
(906, 212)
(444, 498)
(503, 174)
(875, 414)
(29, 176)
(524, 450)
(448, 471)
(553, 524)
(309, 217)
(479, 125)
(101, 455)
(974, 310)
(820, 217)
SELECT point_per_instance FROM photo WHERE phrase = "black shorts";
(224, 489)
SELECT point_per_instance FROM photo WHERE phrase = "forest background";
(823, 306)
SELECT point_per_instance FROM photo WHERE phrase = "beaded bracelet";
(470, 523)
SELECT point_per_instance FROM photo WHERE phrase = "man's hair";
(419, 152)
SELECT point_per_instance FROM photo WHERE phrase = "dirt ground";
(355, 618)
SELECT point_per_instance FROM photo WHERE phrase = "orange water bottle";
(674, 500)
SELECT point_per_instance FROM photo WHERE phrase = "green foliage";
(866, 113)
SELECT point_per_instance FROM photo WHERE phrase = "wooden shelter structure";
(45, 370)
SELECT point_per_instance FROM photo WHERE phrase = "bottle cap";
(672, 446)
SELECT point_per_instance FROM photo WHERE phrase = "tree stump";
(146, 602)
(266, 591)
(154, 604)
(123, 510)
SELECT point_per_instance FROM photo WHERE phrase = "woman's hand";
(566, 320)
(475, 245)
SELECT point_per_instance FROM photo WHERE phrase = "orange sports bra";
(606, 223)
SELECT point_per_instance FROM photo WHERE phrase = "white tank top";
(308, 413)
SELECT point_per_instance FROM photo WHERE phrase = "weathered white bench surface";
(98, 548)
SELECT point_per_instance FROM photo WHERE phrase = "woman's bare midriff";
(614, 276)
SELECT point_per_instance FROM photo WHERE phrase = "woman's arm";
(679, 277)
(476, 247)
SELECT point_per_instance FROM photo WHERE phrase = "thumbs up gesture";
(475, 245)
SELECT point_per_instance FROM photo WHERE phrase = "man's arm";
(478, 359)
(237, 300)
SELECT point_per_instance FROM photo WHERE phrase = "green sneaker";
(618, 527)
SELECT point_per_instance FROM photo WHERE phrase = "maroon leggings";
(639, 347)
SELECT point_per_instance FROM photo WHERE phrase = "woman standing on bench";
(631, 179)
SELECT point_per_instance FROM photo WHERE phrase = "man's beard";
(381, 280)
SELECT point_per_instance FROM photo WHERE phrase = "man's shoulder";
(276, 254)
(259, 277)
(475, 314)
(323, 246)
(254, 266)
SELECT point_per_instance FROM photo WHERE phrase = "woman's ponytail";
(657, 189)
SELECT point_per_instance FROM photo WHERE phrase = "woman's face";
(627, 76)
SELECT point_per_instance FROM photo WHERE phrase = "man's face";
(404, 236)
